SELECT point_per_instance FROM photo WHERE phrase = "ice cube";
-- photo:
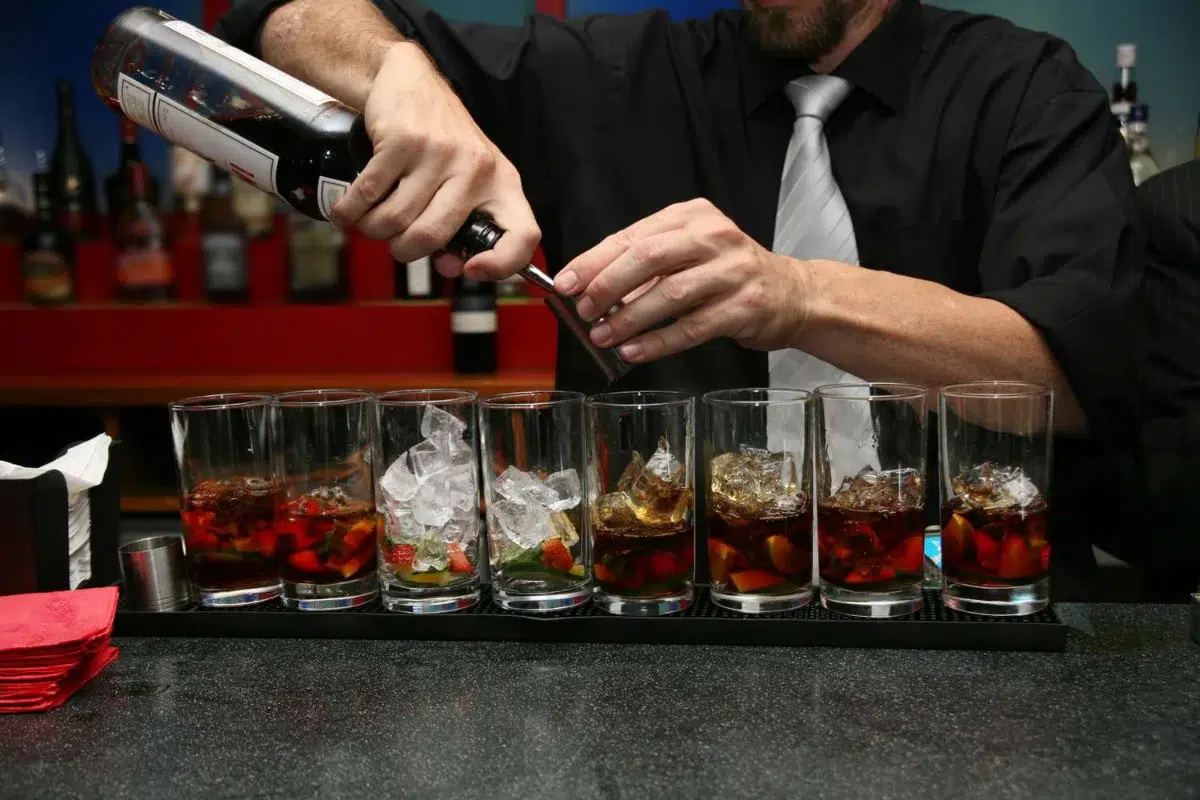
(399, 483)
(439, 421)
(431, 505)
(563, 528)
(755, 484)
(664, 465)
(427, 459)
(566, 490)
(432, 554)
(400, 527)
(991, 487)
(526, 525)
(874, 490)
(462, 529)
(514, 484)
(615, 511)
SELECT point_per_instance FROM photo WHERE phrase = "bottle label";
(186, 128)
(47, 276)
(316, 250)
(420, 278)
(329, 191)
(473, 322)
(144, 268)
(261, 68)
(224, 261)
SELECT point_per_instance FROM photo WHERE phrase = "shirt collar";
(882, 65)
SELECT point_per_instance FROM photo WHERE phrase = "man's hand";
(431, 168)
(688, 261)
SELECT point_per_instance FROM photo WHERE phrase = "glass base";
(543, 602)
(642, 606)
(871, 605)
(440, 600)
(330, 596)
(761, 603)
(232, 598)
(996, 601)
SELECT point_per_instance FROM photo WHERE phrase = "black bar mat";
(935, 627)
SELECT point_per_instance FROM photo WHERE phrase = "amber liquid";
(323, 544)
(871, 551)
(760, 556)
(1008, 547)
(229, 529)
(644, 561)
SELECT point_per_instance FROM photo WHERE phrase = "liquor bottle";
(473, 326)
(264, 126)
(416, 280)
(1141, 160)
(1125, 88)
(190, 175)
(72, 182)
(117, 186)
(315, 249)
(143, 264)
(223, 243)
(13, 221)
(47, 253)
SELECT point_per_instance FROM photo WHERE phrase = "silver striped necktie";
(812, 221)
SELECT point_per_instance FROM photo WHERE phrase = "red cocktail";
(229, 529)
(322, 541)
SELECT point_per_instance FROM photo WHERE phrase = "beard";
(808, 33)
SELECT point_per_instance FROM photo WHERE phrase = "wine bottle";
(72, 182)
(143, 264)
(118, 185)
(13, 221)
(416, 280)
(223, 243)
(264, 126)
(473, 326)
(47, 253)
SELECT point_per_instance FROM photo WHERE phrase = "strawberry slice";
(987, 551)
(909, 555)
(198, 518)
(306, 561)
(661, 566)
(785, 556)
(458, 559)
(603, 574)
(268, 540)
(1015, 559)
(721, 558)
(755, 580)
(884, 574)
(954, 540)
(402, 556)
(556, 556)
(203, 540)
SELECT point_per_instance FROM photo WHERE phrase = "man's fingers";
(672, 296)
(448, 265)
(577, 275)
(397, 213)
(437, 224)
(706, 323)
(656, 255)
(372, 185)
(515, 248)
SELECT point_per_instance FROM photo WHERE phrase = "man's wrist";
(814, 280)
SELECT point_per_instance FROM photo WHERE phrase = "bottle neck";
(43, 207)
(66, 117)
(137, 180)
(129, 143)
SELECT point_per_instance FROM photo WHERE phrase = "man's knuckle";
(675, 288)
(691, 330)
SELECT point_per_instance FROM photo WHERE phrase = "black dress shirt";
(971, 153)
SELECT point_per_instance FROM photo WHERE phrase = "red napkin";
(51, 644)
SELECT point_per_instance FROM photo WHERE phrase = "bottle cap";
(1139, 112)
(1126, 56)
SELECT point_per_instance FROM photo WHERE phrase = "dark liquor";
(72, 181)
(871, 550)
(47, 253)
(1001, 547)
(321, 542)
(223, 243)
(143, 265)
(760, 556)
(229, 528)
(473, 326)
(118, 187)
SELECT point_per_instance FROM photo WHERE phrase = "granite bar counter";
(1117, 715)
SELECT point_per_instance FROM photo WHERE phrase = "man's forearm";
(883, 326)
(335, 45)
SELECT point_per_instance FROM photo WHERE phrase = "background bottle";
(13, 219)
(47, 253)
(72, 181)
(315, 256)
(473, 326)
(223, 243)
(118, 185)
(1141, 161)
(143, 265)
(1125, 88)
(417, 280)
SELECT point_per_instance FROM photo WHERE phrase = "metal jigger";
(480, 233)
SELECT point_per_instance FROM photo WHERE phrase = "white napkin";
(83, 467)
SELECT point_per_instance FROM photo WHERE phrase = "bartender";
(795, 193)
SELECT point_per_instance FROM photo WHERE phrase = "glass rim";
(1002, 390)
(726, 397)
(668, 399)
(412, 397)
(526, 399)
(221, 401)
(907, 391)
(302, 398)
